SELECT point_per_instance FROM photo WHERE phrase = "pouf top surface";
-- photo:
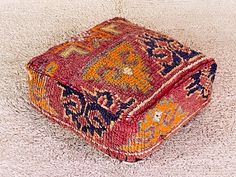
(117, 56)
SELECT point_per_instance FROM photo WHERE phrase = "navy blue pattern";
(96, 116)
(212, 72)
(196, 85)
(178, 51)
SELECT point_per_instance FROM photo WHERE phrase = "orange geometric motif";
(88, 42)
(37, 92)
(121, 66)
(159, 120)
(51, 68)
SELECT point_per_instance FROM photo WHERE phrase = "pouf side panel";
(172, 111)
(46, 93)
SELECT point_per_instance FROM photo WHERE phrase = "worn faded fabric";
(123, 88)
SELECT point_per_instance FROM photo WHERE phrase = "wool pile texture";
(32, 145)
(121, 87)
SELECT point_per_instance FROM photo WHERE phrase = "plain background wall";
(31, 145)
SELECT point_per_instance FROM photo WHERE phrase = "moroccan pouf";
(123, 88)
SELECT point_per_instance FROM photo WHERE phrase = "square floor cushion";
(121, 87)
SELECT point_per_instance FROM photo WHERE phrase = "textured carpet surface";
(31, 145)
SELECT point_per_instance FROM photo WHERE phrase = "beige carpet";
(31, 145)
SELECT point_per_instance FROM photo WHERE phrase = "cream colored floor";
(31, 145)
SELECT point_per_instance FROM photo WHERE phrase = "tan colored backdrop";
(31, 145)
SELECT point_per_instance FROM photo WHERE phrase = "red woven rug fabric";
(123, 88)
